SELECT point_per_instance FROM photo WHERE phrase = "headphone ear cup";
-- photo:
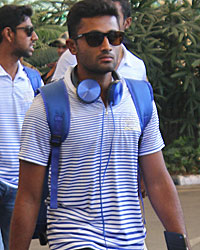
(88, 91)
(115, 92)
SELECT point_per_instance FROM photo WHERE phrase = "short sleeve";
(151, 141)
(35, 137)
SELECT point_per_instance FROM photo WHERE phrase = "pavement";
(190, 200)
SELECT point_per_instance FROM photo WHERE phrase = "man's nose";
(106, 44)
(34, 36)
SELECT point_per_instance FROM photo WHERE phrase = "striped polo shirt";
(16, 97)
(98, 204)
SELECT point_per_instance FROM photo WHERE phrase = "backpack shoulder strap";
(34, 78)
(56, 102)
(142, 95)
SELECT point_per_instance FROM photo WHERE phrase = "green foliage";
(167, 38)
(18, 2)
(46, 12)
(42, 57)
(51, 12)
(45, 54)
(183, 156)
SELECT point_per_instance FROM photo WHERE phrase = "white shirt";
(130, 65)
(66, 60)
(16, 97)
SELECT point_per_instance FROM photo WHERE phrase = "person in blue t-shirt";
(98, 207)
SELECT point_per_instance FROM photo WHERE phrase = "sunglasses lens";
(29, 31)
(94, 39)
(115, 37)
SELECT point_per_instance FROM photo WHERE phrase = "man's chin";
(107, 68)
(27, 55)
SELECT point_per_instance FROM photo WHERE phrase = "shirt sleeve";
(35, 137)
(151, 141)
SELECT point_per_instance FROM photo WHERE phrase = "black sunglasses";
(28, 29)
(95, 38)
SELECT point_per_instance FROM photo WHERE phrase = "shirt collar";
(126, 58)
(20, 72)
(2, 71)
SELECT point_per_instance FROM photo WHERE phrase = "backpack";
(56, 102)
(34, 78)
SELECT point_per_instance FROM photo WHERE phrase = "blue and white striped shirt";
(98, 204)
(16, 97)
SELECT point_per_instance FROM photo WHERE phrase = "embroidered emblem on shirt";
(131, 124)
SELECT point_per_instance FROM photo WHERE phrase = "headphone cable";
(101, 182)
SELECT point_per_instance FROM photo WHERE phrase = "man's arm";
(31, 178)
(162, 192)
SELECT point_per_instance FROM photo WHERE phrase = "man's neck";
(8, 60)
(103, 80)
(9, 64)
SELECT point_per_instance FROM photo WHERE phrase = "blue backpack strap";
(34, 78)
(56, 103)
(142, 95)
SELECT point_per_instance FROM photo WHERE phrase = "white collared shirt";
(16, 97)
(131, 66)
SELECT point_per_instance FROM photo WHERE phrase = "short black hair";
(87, 9)
(126, 7)
(13, 15)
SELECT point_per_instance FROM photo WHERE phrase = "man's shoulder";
(130, 57)
(2, 71)
(131, 66)
(67, 57)
(31, 71)
(66, 60)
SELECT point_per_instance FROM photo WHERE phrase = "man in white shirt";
(17, 38)
(129, 65)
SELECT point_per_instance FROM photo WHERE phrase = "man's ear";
(8, 34)
(127, 23)
(71, 44)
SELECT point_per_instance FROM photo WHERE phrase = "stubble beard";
(22, 53)
(101, 69)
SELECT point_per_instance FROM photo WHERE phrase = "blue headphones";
(89, 90)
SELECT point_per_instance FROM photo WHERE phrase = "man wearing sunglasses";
(97, 203)
(128, 65)
(17, 38)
